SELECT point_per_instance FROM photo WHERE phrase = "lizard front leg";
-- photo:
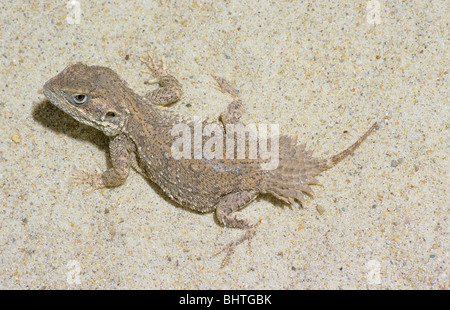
(227, 216)
(114, 176)
(170, 89)
(235, 109)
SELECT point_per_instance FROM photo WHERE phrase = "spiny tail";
(297, 169)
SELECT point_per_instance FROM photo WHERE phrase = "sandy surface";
(322, 71)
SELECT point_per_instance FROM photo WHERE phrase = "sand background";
(324, 71)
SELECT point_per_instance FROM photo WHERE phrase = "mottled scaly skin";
(140, 138)
(196, 183)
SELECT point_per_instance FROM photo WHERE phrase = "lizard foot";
(229, 248)
(225, 87)
(157, 71)
(94, 180)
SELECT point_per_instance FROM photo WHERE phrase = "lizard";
(139, 130)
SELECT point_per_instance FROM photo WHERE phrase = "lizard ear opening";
(110, 115)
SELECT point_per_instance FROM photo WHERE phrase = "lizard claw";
(229, 248)
(94, 180)
(225, 87)
(156, 70)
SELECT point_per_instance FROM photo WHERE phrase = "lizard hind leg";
(227, 216)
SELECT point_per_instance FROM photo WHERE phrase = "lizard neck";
(147, 117)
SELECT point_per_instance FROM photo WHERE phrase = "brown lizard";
(140, 138)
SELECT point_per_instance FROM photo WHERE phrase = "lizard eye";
(79, 99)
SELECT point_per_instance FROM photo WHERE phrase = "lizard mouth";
(59, 99)
(56, 98)
(48, 92)
(52, 95)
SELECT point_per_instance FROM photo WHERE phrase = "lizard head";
(93, 95)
